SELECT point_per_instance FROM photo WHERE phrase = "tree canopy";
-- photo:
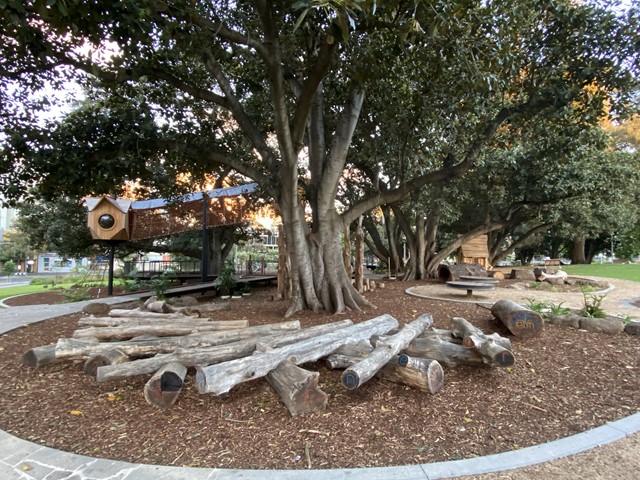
(305, 98)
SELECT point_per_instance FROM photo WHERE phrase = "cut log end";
(350, 380)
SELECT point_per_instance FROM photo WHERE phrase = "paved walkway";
(619, 459)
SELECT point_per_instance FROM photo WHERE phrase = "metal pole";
(112, 257)
(204, 261)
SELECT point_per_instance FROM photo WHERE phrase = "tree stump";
(520, 321)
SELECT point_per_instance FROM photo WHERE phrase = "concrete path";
(619, 459)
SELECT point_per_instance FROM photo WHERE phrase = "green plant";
(159, 284)
(226, 280)
(9, 268)
(42, 281)
(557, 310)
(246, 288)
(536, 305)
(593, 306)
(75, 294)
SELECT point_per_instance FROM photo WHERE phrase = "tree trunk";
(192, 357)
(364, 370)
(108, 357)
(490, 347)
(346, 252)
(520, 321)
(166, 330)
(359, 261)
(73, 349)
(297, 388)
(163, 388)
(449, 273)
(221, 378)
(578, 255)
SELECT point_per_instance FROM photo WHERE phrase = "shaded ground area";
(563, 382)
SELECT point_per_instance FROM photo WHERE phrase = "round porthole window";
(106, 221)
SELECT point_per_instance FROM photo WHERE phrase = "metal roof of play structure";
(161, 217)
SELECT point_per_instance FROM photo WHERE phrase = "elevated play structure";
(122, 219)
(114, 220)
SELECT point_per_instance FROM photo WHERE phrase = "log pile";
(127, 343)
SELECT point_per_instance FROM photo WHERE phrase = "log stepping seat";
(471, 286)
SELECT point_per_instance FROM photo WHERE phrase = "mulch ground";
(563, 382)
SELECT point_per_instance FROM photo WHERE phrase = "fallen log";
(358, 374)
(192, 357)
(138, 313)
(446, 353)
(487, 345)
(76, 349)
(203, 309)
(222, 377)
(297, 388)
(520, 321)
(92, 321)
(109, 357)
(163, 388)
(422, 374)
(153, 304)
(125, 332)
(40, 356)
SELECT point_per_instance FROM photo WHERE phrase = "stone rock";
(602, 325)
(97, 308)
(572, 321)
(633, 327)
(185, 301)
(523, 274)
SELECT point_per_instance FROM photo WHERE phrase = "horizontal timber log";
(75, 349)
(486, 345)
(125, 332)
(422, 374)
(520, 321)
(138, 313)
(192, 357)
(447, 353)
(220, 378)
(359, 373)
(40, 356)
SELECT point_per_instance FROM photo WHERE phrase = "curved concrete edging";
(21, 459)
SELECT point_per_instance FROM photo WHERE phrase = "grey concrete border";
(24, 460)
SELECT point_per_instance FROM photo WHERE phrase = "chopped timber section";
(163, 388)
(423, 374)
(364, 370)
(420, 373)
(192, 357)
(220, 378)
(520, 321)
(109, 357)
(297, 388)
(486, 345)
(448, 354)
(452, 273)
(40, 356)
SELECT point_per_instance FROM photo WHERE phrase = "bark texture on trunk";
(520, 321)
(297, 388)
(163, 388)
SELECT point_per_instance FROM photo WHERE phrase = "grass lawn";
(619, 271)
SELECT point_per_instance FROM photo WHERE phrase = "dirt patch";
(564, 382)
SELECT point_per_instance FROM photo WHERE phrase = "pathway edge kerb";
(16, 453)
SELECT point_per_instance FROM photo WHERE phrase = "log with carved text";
(520, 321)
(220, 378)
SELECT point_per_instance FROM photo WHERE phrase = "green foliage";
(592, 306)
(9, 268)
(75, 294)
(226, 280)
(547, 308)
(620, 271)
(159, 284)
